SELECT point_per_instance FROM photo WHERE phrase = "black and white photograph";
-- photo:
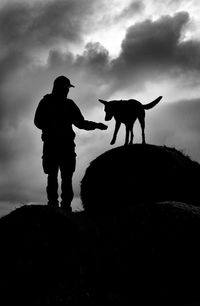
(99, 152)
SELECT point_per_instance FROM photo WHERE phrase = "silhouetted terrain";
(137, 245)
(39, 257)
(141, 199)
(148, 254)
(139, 173)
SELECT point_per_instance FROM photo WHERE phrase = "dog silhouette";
(127, 112)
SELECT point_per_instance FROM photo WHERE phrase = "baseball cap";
(62, 81)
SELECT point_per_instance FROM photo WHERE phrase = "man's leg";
(50, 167)
(67, 191)
(52, 188)
(67, 169)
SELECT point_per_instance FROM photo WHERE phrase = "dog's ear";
(103, 101)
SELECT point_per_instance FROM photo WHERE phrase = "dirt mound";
(149, 253)
(139, 173)
(39, 255)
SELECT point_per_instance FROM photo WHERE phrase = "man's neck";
(59, 95)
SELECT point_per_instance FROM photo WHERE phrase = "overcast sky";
(109, 50)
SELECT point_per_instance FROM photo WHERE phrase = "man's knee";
(67, 168)
(50, 166)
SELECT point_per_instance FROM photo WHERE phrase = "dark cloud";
(43, 24)
(153, 41)
(150, 49)
(154, 49)
(134, 8)
(95, 57)
(29, 29)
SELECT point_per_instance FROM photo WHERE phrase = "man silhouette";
(55, 116)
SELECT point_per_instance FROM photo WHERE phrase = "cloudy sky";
(110, 50)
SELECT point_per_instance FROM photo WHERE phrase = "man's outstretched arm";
(91, 125)
(81, 123)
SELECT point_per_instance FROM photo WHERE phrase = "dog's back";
(126, 110)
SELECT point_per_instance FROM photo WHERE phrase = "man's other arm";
(40, 115)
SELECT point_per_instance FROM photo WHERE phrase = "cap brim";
(71, 85)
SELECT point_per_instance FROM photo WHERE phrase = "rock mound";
(139, 173)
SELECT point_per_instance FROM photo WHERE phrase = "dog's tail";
(152, 104)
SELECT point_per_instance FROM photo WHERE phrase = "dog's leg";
(127, 134)
(117, 126)
(132, 135)
(142, 123)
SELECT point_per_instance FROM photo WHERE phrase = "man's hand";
(101, 126)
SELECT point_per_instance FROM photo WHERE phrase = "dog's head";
(108, 110)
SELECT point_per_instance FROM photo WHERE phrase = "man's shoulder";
(45, 98)
(71, 103)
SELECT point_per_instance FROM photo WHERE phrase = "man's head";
(61, 85)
